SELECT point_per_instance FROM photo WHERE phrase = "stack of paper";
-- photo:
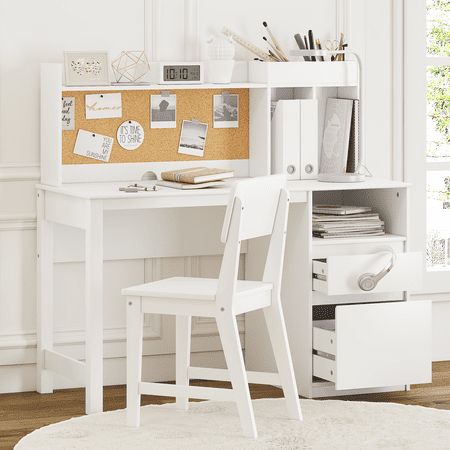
(339, 221)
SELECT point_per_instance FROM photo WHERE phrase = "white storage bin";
(304, 73)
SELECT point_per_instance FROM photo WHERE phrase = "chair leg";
(134, 359)
(183, 356)
(231, 344)
(280, 345)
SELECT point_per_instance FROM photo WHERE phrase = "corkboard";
(162, 144)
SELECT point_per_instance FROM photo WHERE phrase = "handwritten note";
(103, 106)
(130, 135)
(68, 113)
(93, 145)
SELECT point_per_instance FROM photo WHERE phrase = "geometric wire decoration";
(130, 66)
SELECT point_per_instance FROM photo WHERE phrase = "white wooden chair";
(257, 207)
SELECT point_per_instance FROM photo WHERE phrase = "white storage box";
(304, 73)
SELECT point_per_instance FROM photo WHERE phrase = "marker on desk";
(311, 43)
(301, 45)
(305, 40)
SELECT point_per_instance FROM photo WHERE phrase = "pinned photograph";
(193, 138)
(226, 111)
(163, 111)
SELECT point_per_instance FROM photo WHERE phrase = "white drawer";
(339, 275)
(374, 345)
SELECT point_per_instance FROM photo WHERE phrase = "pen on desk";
(275, 50)
(340, 57)
(274, 57)
(319, 47)
(311, 43)
(301, 45)
(275, 41)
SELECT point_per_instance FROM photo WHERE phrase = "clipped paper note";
(68, 113)
(103, 106)
(93, 145)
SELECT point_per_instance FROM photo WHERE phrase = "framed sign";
(86, 68)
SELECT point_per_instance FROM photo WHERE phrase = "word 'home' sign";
(103, 106)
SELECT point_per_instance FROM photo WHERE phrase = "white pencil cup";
(219, 71)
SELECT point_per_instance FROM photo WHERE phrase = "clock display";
(182, 73)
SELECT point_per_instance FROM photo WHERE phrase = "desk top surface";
(110, 190)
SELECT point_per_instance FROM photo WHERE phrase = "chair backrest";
(257, 207)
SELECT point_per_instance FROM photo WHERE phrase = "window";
(427, 134)
(438, 134)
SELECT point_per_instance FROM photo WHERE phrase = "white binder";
(295, 139)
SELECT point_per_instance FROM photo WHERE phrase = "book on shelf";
(196, 175)
(350, 235)
(340, 144)
(189, 186)
(353, 146)
(342, 221)
(340, 210)
(336, 136)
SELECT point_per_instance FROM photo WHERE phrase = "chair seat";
(193, 288)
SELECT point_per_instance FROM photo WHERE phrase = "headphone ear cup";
(367, 282)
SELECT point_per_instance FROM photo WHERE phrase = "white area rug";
(329, 424)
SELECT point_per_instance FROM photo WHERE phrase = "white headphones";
(369, 281)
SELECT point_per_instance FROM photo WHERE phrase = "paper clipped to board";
(93, 145)
(103, 106)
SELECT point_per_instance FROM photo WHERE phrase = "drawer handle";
(368, 281)
(331, 372)
(331, 341)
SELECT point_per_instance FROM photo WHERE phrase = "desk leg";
(44, 311)
(94, 308)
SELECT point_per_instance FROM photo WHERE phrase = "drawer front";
(324, 368)
(383, 344)
(339, 275)
(324, 340)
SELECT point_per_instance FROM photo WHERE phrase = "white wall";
(38, 31)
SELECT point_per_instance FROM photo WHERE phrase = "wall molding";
(20, 172)
(17, 222)
(398, 97)
(152, 17)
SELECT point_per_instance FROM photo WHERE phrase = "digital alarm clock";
(177, 72)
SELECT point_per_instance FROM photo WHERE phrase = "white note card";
(93, 145)
(68, 113)
(103, 106)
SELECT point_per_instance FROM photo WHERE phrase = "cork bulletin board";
(161, 144)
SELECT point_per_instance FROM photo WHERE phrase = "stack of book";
(194, 178)
(340, 221)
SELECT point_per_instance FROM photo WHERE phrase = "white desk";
(83, 206)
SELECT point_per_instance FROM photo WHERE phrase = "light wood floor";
(22, 413)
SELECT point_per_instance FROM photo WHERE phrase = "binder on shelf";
(295, 139)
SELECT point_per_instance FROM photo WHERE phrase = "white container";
(219, 71)
(303, 73)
